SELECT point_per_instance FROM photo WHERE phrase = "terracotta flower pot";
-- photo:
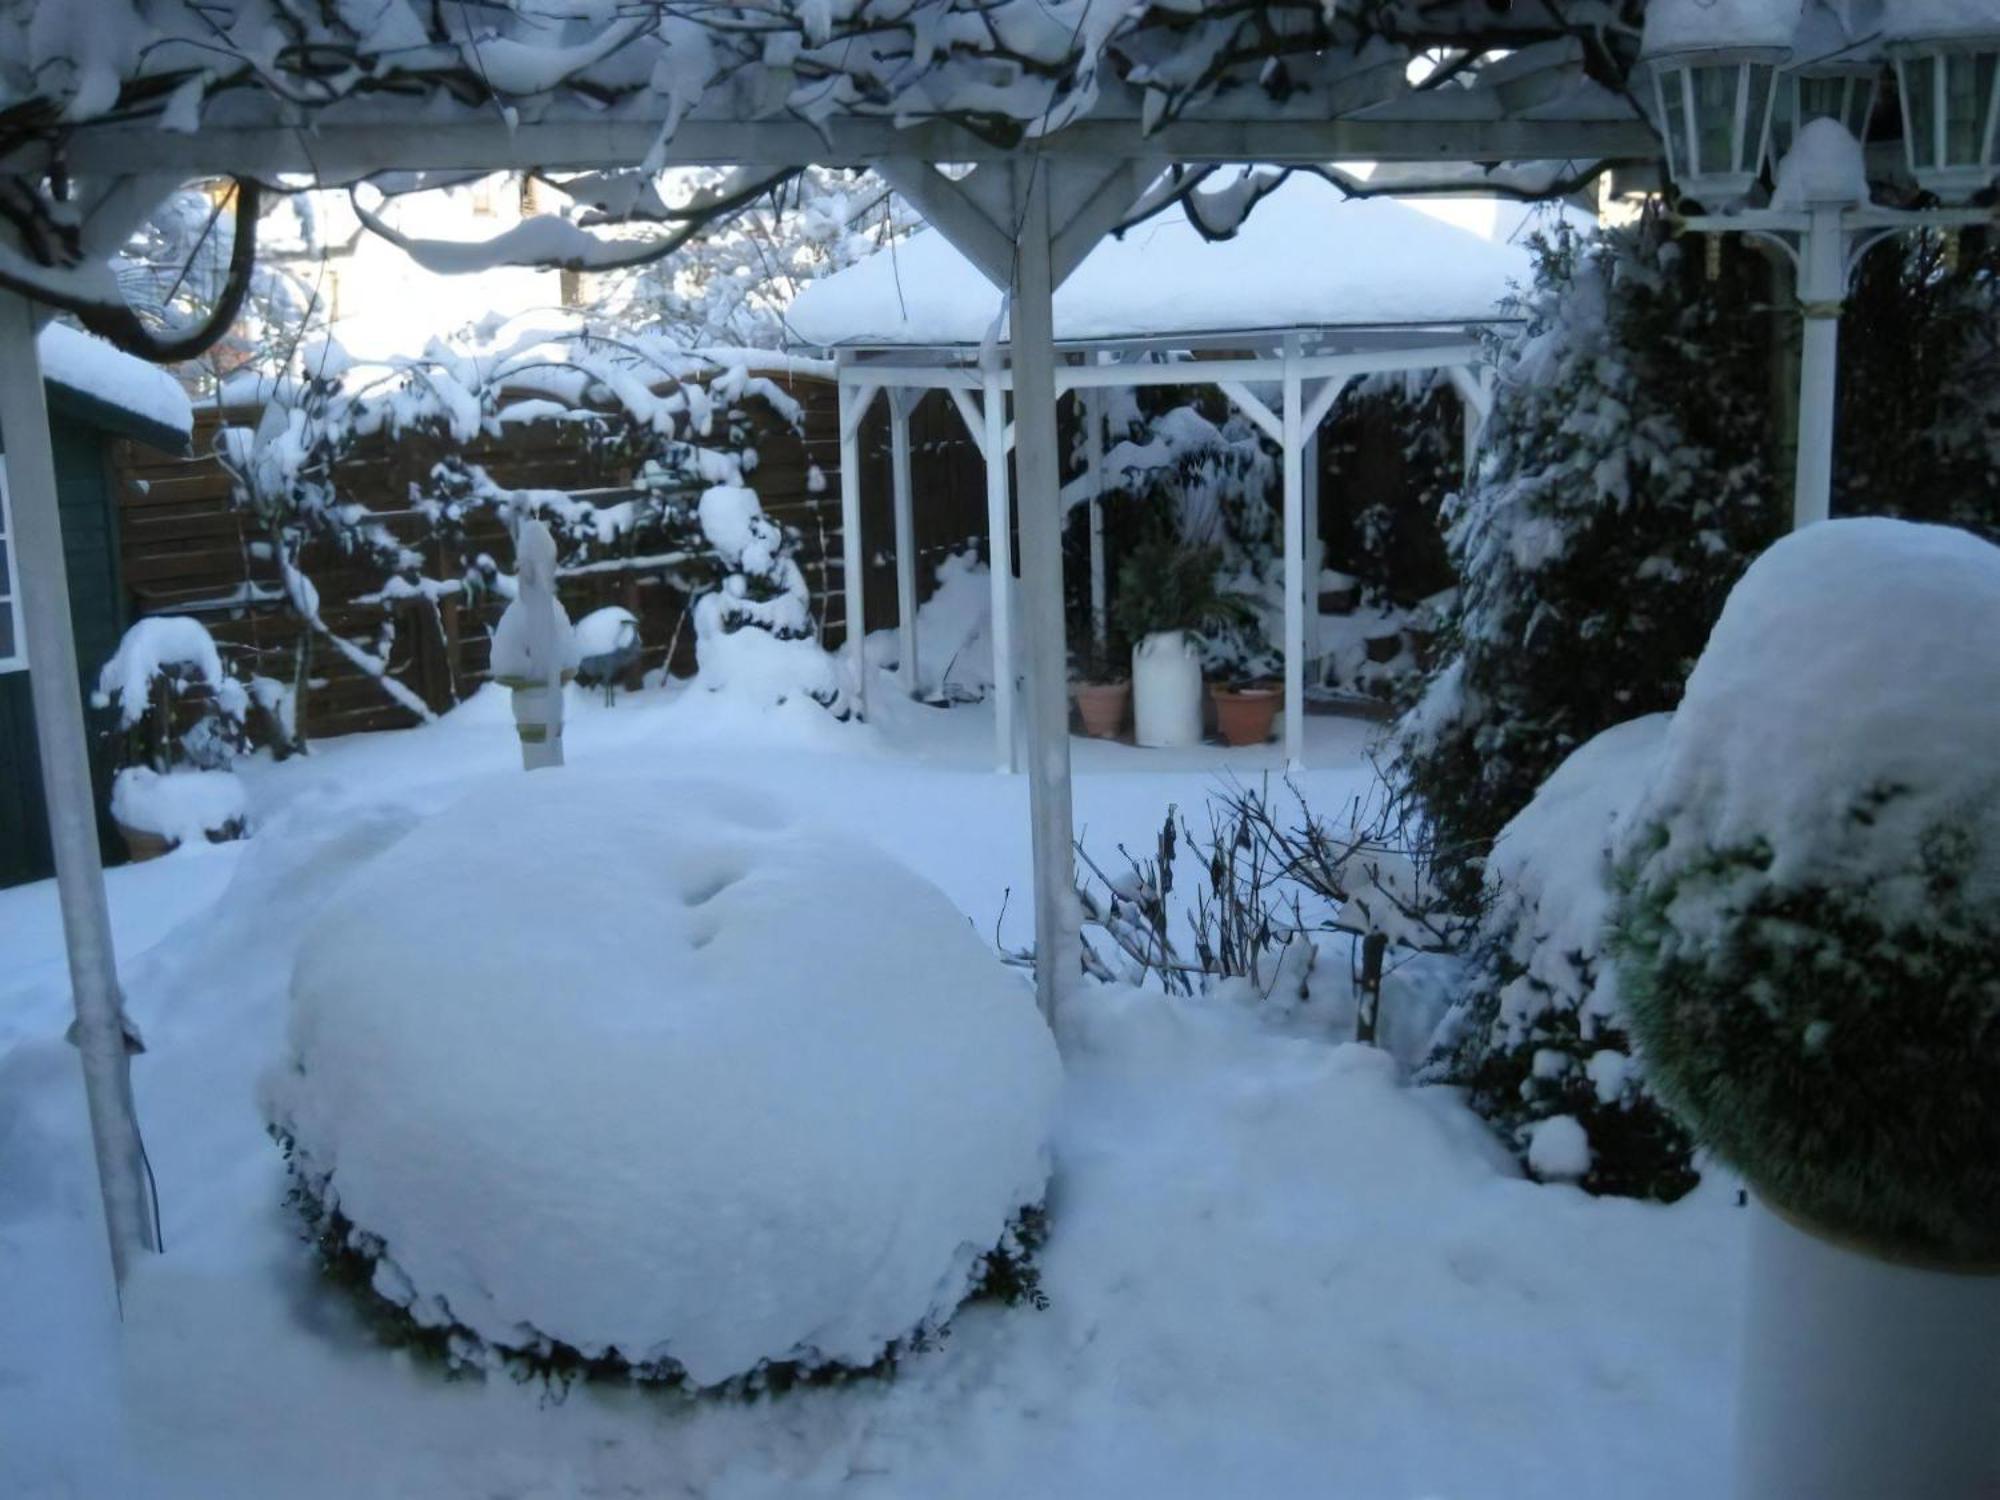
(142, 844)
(1102, 706)
(1244, 715)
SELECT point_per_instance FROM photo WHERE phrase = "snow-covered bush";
(1538, 1035)
(645, 1076)
(1808, 928)
(754, 635)
(1621, 489)
(954, 634)
(182, 721)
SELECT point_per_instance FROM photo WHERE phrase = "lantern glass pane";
(1920, 101)
(1758, 79)
(1715, 118)
(1673, 123)
(1968, 93)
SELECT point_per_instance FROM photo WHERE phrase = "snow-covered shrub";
(1808, 928)
(646, 1076)
(1622, 488)
(182, 721)
(954, 634)
(754, 635)
(1538, 1035)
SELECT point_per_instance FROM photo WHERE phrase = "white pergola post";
(1314, 561)
(101, 1034)
(1092, 401)
(1057, 951)
(853, 402)
(1293, 444)
(900, 404)
(1000, 572)
(1822, 288)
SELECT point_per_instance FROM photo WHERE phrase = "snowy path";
(1275, 1270)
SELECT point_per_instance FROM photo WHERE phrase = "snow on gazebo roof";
(1309, 259)
(116, 383)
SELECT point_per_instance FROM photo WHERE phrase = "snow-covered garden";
(1122, 798)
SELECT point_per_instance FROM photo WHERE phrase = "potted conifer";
(1808, 943)
(1167, 595)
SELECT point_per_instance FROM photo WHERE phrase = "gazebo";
(1314, 290)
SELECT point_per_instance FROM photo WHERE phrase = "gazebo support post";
(1093, 461)
(101, 1033)
(1058, 956)
(1314, 552)
(1293, 444)
(1000, 571)
(853, 404)
(900, 404)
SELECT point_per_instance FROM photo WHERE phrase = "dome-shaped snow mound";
(649, 1070)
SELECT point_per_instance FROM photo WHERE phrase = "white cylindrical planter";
(538, 719)
(1166, 690)
(1864, 1378)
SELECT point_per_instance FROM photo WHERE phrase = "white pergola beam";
(101, 1033)
(1246, 401)
(334, 151)
(900, 404)
(1000, 569)
(1093, 458)
(962, 209)
(1292, 439)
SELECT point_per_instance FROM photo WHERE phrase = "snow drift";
(645, 1071)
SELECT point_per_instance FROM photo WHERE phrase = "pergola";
(1317, 289)
(1055, 119)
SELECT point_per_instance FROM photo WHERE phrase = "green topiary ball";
(1808, 925)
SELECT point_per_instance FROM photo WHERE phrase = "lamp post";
(1818, 104)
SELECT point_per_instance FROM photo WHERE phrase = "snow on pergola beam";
(333, 154)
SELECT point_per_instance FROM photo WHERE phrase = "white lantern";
(1835, 74)
(1948, 73)
(1714, 67)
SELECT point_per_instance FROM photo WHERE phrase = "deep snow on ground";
(1275, 1268)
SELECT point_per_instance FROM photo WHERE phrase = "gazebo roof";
(1309, 259)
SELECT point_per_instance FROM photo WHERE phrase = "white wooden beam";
(1315, 561)
(1093, 461)
(1096, 208)
(958, 210)
(900, 404)
(101, 1032)
(853, 403)
(1293, 443)
(1000, 557)
(335, 151)
(1247, 403)
(1058, 958)
(1321, 401)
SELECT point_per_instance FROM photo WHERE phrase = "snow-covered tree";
(1918, 428)
(1622, 490)
(1623, 487)
(730, 286)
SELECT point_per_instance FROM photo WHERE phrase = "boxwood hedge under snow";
(1809, 929)
(645, 1075)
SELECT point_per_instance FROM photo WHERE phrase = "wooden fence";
(187, 548)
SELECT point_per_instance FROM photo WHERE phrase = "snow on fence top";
(1308, 258)
(91, 367)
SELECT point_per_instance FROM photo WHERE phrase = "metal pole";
(1058, 955)
(900, 403)
(1295, 549)
(1000, 575)
(101, 1034)
(1822, 288)
(853, 585)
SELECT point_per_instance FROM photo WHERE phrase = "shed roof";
(115, 390)
(1309, 258)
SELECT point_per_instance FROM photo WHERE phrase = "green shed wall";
(97, 610)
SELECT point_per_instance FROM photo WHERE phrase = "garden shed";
(97, 396)
(1315, 290)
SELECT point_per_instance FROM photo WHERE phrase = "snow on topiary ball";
(647, 1072)
(1809, 927)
